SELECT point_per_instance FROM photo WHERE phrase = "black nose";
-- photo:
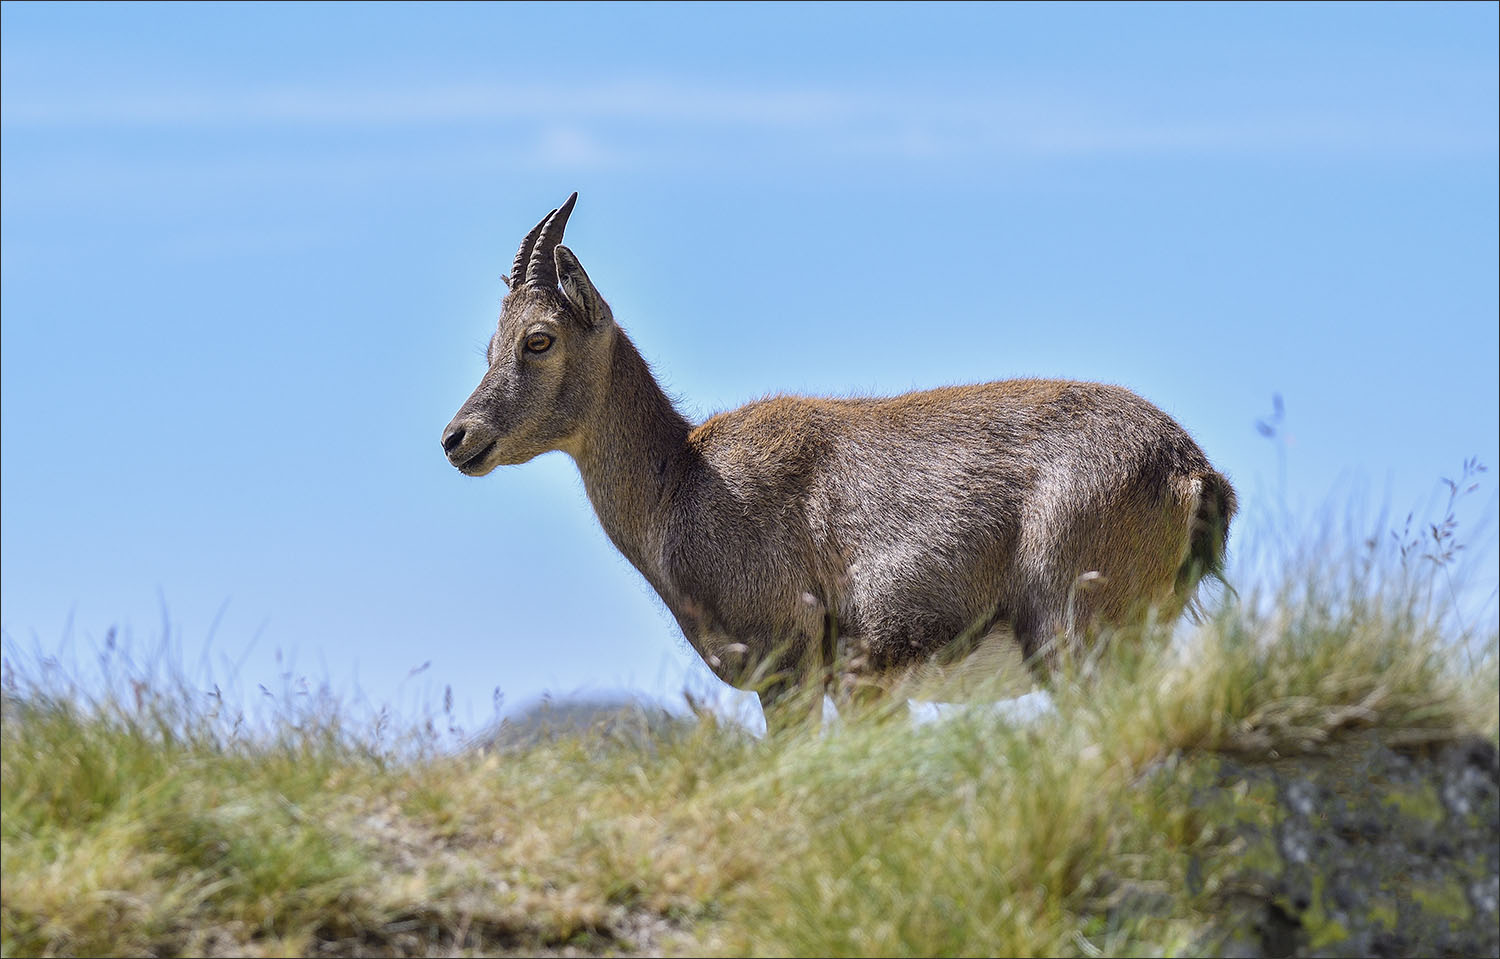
(453, 439)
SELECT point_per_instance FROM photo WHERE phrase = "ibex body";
(793, 533)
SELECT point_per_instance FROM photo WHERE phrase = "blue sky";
(251, 257)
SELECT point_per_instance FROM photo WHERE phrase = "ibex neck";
(632, 456)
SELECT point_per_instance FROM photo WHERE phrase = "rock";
(596, 719)
(1368, 849)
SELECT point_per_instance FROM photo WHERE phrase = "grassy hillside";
(1147, 814)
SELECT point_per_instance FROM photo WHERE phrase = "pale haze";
(252, 254)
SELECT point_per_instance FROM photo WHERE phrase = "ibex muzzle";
(793, 533)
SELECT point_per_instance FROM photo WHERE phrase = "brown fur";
(794, 531)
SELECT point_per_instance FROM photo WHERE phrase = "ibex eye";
(538, 343)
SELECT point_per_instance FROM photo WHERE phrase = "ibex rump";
(795, 532)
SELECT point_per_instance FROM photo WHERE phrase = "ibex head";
(548, 359)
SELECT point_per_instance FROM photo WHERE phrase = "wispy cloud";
(448, 104)
(679, 123)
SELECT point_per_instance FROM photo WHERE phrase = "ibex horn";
(523, 255)
(542, 270)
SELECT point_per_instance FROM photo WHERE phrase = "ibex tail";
(1207, 536)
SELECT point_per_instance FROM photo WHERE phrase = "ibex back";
(883, 534)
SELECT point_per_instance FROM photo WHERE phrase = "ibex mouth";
(474, 465)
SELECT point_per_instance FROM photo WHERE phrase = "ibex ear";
(579, 289)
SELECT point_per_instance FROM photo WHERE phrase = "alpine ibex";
(794, 532)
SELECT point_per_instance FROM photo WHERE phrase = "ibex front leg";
(791, 694)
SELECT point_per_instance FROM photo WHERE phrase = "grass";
(143, 824)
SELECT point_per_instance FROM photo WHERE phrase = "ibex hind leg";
(1151, 576)
(1058, 630)
(1044, 638)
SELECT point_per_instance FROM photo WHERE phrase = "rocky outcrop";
(1371, 849)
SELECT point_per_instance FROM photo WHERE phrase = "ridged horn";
(523, 255)
(542, 269)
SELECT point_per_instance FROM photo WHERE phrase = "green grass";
(141, 825)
